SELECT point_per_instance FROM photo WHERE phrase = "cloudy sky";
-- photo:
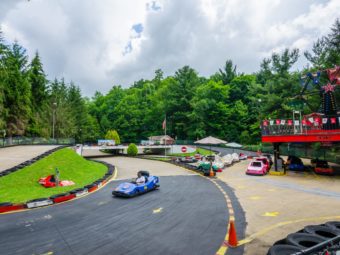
(100, 43)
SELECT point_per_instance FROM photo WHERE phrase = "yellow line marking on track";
(158, 210)
(284, 223)
(255, 197)
(223, 248)
(270, 214)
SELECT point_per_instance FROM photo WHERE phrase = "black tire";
(304, 240)
(283, 249)
(322, 231)
(333, 224)
(76, 191)
(59, 195)
(5, 204)
(89, 186)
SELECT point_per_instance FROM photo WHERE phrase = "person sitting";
(140, 179)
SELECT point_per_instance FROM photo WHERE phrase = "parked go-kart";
(294, 163)
(205, 168)
(321, 167)
(131, 189)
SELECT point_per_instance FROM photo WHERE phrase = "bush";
(132, 149)
(113, 135)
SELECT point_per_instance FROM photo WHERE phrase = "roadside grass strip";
(201, 151)
(22, 186)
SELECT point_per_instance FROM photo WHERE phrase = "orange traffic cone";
(232, 240)
(211, 171)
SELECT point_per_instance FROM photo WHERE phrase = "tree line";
(228, 104)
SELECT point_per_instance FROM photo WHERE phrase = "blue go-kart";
(294, 163)
(131, 189)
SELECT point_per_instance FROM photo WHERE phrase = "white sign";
(39, 203)
(106, 142)
(82, 193)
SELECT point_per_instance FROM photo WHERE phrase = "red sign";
(184, 149)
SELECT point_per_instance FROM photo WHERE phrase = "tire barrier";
(322, 231)
(8, 207)
(283, 249)
(62, 197)
(333, 224)
(39, 202)
(304, 240)
(311, 240)
(58, 198)
(79, 192)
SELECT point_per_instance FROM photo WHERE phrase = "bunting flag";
(324, 120)
(333, 120)
(311, 120)
(278, 122)
(304, 122)
(297, 122)
(271, 122)
(290, 122)
(265, 123)
(283, 122)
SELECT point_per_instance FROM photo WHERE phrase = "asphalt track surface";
(187, 215)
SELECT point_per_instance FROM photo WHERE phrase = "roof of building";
(160, 137)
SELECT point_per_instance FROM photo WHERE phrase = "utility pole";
(53, 113)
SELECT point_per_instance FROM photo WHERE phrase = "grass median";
(197, 151)
(23, 185)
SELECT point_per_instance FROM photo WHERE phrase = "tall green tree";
(38, 124)
(211, 111)
(17, 90)
(228, 73)
(3, 51)
(78, 110)
(326, 50)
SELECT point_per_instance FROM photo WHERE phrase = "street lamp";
(53, 113)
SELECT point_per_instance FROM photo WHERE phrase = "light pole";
(3, 137)
(53, 113)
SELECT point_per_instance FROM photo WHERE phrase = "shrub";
(132, 149)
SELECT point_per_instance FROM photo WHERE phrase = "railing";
(20, 140)
(311, 125)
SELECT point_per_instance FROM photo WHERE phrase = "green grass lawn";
(23, 185)
(198, 151)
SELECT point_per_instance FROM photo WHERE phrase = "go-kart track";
(187, 215)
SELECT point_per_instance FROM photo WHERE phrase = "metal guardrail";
(298, 127)
(5, 142)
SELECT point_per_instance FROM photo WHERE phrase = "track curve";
(188, 215)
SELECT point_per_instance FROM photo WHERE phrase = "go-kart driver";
(140, 179)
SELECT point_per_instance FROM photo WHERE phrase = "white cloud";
(87, 41)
